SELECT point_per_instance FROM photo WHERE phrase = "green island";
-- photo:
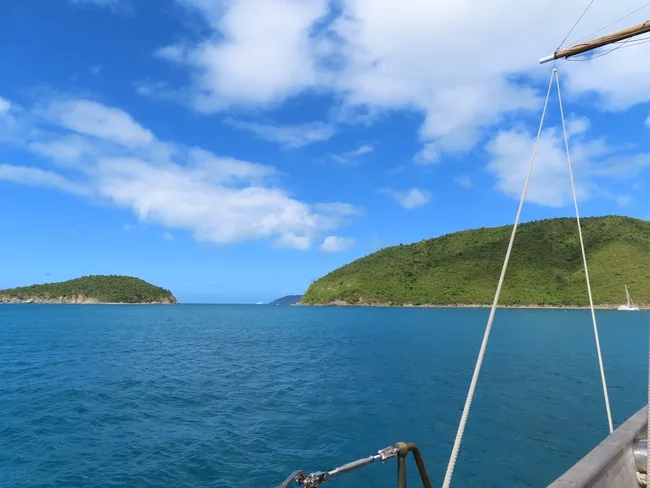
(90, 289)
(463, 268)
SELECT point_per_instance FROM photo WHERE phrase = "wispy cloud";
(94, 119)
(408, 199)
(38, 177)
(96, 69)
(293, 241)
(97, 2)
(623, 200)
(168, 236)
(121, 6)
(102, 153)
(290, 136)
(5, 105)
(351, 156)
(339, 208)
(160, 90)
(363, 149)
(429, 154)
(337, 244)
(464, 181)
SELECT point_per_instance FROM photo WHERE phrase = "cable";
(612, 23)
(575, 25)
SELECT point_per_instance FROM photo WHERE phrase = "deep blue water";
(239, 396)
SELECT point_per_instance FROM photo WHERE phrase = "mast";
(599, 42)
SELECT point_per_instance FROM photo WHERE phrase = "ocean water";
(241, 396)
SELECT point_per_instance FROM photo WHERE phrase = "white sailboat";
(629, 306)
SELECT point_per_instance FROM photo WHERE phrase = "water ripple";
(234, 396)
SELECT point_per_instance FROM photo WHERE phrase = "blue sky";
(234, 151)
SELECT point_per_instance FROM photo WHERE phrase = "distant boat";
(260, 303)
(629, 306)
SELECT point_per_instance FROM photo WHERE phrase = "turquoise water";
(234, 396)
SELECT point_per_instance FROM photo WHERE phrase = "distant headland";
(91, 289)
(288, 300)
(462, 269)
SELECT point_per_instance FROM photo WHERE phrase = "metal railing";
(399, 450)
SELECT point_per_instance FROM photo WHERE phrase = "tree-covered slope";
(91, 289)
(463, 268)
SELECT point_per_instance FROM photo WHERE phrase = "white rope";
(479, 360)
(584, 258)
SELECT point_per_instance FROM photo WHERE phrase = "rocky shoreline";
(341, 303)
(79, 300)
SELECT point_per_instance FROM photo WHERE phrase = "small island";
(462, 269)
(91, 289)
(288, 300)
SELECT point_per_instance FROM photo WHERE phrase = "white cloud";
(510, 153)
(429, 154)
(123, 6)
(623, 200)
(351, 156)
(219, 199)
(189, 198)
(291, 240)
(38, 177)
(376, 55)
(338, 208)
(592, 160)
(160, 90)
(14, 125)
(174, 53)
(94, 119)
(336, 244)
(69, 149)
(227, 170)
(292, 136)
(5, 105)
(96, 69)
(97, 2)
(620, 166)
(647, 121)
(464, 181)
(576, 126)
(409, 199)
(363, 149)
(260, 53)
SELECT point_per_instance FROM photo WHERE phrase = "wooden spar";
(600, 42)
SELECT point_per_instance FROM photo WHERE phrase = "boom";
(600, 42)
